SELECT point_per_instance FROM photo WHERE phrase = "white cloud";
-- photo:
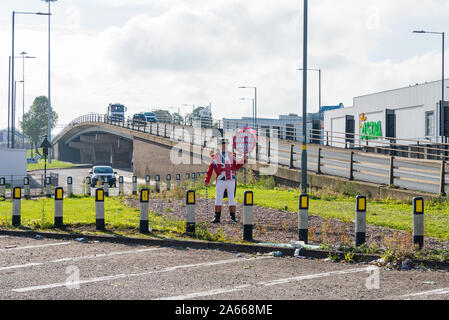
(198, 52)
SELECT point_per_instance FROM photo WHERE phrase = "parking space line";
(129, 275)
(206, 293)
(93, 256)
(443, 291)
(35, 247)
(267, 283)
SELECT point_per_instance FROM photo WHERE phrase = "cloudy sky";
(166, 53)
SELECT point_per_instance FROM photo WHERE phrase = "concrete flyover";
(90, 141)
(162, 148)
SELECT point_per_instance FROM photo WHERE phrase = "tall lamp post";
(319, 85)
(14, 99)
(441, 113)
(23, 91)
(304, 104)
(49, 75)
(12, 60)
(255, 105)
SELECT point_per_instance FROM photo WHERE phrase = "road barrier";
(360, 221)
(48, 186)
(134, 185)
(26, 186)
(88, 186)
(99, 209)
(303, 218)
(144, 210)
(248, 216)
(59, 209)
(120, 185)
(168, 180)
(16, 206)
(418, 221)
(158, 181)
(190, 212)
(70, 186)
(2, 189)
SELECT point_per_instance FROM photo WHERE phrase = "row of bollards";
(144, 228)
(88, 185)
(360, 221)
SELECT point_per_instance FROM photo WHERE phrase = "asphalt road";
(55, 269)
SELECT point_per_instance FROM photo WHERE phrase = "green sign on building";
(371, 130)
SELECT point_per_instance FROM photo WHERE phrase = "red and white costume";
(225, 166)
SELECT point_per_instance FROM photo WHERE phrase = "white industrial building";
(406, 113)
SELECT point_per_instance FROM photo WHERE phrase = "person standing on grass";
(225, 166)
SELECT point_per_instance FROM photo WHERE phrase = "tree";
(35, 121)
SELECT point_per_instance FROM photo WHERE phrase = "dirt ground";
(277, 226)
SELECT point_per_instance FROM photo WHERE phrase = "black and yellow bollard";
(2, 189)
(248, 216)
(144, 210)
(418, 222)
(69, 186)
(134, 185)
(190, 212)
(59, 209)
(158, 183)
(120, 185)
(360, 221)
(16, 206)
(303, 218)
(99, 209)
(26, 187)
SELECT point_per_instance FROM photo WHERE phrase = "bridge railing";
(418, 167)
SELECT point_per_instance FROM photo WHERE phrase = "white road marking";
(2, 237)
(436, 292)
(21, 266)
(267, 283)
(129, 275)
(94, 256)
(314, 276)
(206, 293)
(35, 247)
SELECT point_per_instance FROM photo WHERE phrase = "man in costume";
(225, 166)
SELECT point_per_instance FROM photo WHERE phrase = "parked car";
(139, 119)
(150, 117)
(100, 173)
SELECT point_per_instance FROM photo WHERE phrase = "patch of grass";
(53, 165)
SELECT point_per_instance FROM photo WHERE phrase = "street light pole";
(441, 113)
(49, 76)
(304, 105)
(9, 99)
(12, 66)
(319, 86)
(23, 91)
